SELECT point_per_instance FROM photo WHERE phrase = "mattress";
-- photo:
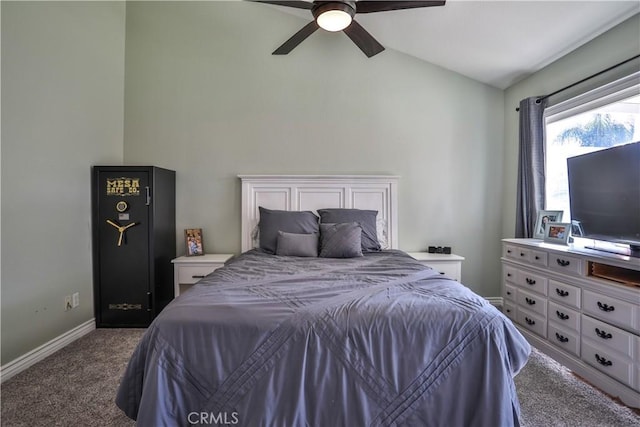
(378, 340)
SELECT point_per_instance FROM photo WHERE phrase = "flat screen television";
(604, 194)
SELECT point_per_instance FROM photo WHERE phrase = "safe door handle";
(148, 195)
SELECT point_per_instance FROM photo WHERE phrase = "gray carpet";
(76, 387)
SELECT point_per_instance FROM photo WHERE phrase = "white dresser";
(187, 270)
(449, 265)
(579, 306)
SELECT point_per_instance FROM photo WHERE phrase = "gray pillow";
(292, 244)
(341, 240)
(272, 221)
(366, 219)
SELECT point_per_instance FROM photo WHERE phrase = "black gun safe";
(134, 241)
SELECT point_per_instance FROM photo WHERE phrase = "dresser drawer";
(609, 309)
(611, 363)
(566, 294)
(565, 264)
(510, 292)
(532, 302)
(533, 322)
(569, 319)
(510, 310)
(192, 273)
(567, 340)
(509, 274)
(510, 251)
(608, 336)
(532, 282)
(538, 258)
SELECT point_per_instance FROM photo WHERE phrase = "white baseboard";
(37, 354)
(496, 301)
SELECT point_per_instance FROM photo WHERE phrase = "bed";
(374, 339)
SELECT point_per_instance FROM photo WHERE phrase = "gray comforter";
(283, 341)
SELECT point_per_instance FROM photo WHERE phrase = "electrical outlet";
(75, 299)
(68, 303)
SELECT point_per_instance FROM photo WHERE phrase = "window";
(602, 118)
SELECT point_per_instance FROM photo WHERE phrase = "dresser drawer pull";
(530, 281)
(508, 292)
(530, 301)
(197, 276)
(508, 274)
(605, 307)
(508, 251)
(603, 361)
(522, 254)
(537, 257)
(508, 310)
(530, 321)
(562, 262)
(604, 335)
(562, 293)
(562, 315)
(561, 338)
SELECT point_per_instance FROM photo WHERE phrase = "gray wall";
(62, 111)
(620, 43)
(205, 97)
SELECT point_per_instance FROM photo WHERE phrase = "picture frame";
(558, 233)
(193, 241)
(545, 217)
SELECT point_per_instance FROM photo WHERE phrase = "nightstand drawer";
(191, 274)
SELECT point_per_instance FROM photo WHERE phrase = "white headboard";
(312, 192)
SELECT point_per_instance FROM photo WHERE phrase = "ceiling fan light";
(335, 15)
(334, 20)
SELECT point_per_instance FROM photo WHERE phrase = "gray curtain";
(531, 191)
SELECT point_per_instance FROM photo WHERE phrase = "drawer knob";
(530, 301)
(508, 251)
(537, 257)
(530, 281)
(562, 315)
(522, 254)
(529, 321)
(603, 361)
(605, 307)
(562, 262)
(604, 335)
(561, 338)
(197, 276)
(561, 292)
(508, 292)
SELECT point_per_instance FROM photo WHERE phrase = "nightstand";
(187, 270)
(449, 265)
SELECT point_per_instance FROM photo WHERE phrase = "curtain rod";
(584, 80)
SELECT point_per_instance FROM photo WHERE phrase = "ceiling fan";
(337, 15)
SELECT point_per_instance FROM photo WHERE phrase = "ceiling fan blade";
(370, 6)
(296, 39)
(298, 4)
(363, 39)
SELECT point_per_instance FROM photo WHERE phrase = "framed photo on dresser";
(193, 241)
(545, 217)
(557, 232)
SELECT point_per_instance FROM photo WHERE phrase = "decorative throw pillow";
(366, 219)
(272, 221)
(293, 244)
(341, 240)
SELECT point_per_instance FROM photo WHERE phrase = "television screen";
(604, 193)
